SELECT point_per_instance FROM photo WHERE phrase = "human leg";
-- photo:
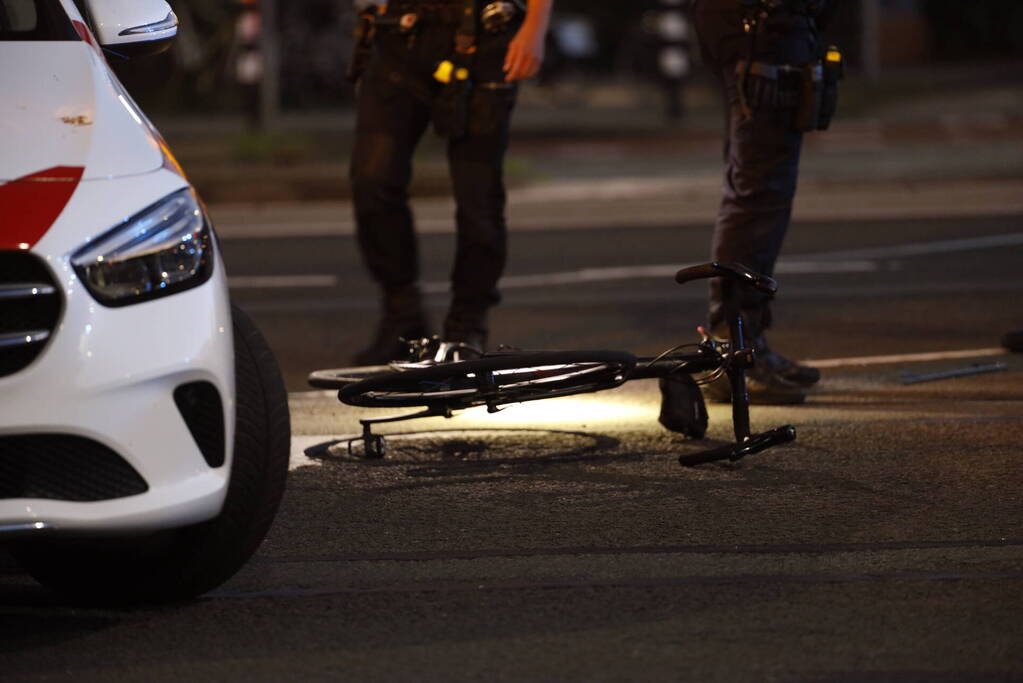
(390, 121)
(476, 163)
(761, 156)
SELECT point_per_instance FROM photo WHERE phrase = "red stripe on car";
(29, 205)
(85, 34)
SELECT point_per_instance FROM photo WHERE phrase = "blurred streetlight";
(672, 29)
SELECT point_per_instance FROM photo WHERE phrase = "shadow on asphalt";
(458, 452)
(443, 457)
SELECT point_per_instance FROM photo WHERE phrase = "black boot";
(773, 379)
(770, 362)
(802, 375)
(466, 328)
(763, 386)
(403, 320)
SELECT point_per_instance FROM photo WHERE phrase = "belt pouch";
(808, 112)
(451, 109)
(833, 71)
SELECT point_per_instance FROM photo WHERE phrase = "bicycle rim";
(493, 381)
(336, 378)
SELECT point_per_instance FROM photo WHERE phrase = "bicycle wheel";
(336, 378)
(494, 380)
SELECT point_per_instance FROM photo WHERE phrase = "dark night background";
(198, 73)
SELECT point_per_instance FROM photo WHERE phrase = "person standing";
(767, 57)
(454, 64)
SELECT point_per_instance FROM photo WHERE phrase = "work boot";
(764, 382)
(466, 330)
(770, 360)
(403, 320)
(764, 356)
(763, 385)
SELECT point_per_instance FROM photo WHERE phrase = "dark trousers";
(761, 146)
(395, 107)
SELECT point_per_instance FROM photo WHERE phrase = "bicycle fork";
(738, 359)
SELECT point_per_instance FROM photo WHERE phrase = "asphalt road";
(561, 540)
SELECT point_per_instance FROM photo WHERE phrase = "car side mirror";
(133, 28)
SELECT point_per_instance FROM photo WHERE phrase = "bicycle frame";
(434, 367)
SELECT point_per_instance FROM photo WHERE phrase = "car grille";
(64, 467)
(30, 304)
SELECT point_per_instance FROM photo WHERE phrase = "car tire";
(179, 564)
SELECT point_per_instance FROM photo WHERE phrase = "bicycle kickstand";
(374, 445)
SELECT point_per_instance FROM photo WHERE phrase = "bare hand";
(525, 53)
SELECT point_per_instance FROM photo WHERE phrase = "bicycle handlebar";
(754, 444)
(735, 271)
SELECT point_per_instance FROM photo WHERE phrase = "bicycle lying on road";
(434, 380)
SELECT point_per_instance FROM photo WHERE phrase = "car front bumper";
(109, 375)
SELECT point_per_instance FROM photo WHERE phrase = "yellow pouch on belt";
(446, 70)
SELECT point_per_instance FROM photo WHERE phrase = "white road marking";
(612, 274)
(280, 281)
(568, 277)
(844, 261)
(685, 201)
(927, 248)
(299, 444)
(904, 358)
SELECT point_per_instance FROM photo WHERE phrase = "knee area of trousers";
(370, 191)
(754, 191)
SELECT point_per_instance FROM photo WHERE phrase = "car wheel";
(178, 564)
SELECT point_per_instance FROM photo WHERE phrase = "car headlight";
(163, 249)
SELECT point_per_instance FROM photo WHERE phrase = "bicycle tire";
(336, 378)
(494, 380)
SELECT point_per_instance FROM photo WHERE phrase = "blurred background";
(255, 90)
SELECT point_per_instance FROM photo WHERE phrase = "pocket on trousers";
(491, 107)
(381, 81)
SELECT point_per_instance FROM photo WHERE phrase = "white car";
(144, 434)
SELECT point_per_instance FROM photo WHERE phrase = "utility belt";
(406, 17)
(493, 17)
(812, 89)
(810, 8)
(463, 105)
(402, 17)
(453, 92)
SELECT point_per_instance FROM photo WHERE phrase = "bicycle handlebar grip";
(754, 444)
(736, 271)
(713, 455)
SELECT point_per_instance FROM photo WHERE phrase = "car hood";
(62, 109)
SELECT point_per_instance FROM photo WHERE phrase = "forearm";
(538, 15)
(526, 50)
